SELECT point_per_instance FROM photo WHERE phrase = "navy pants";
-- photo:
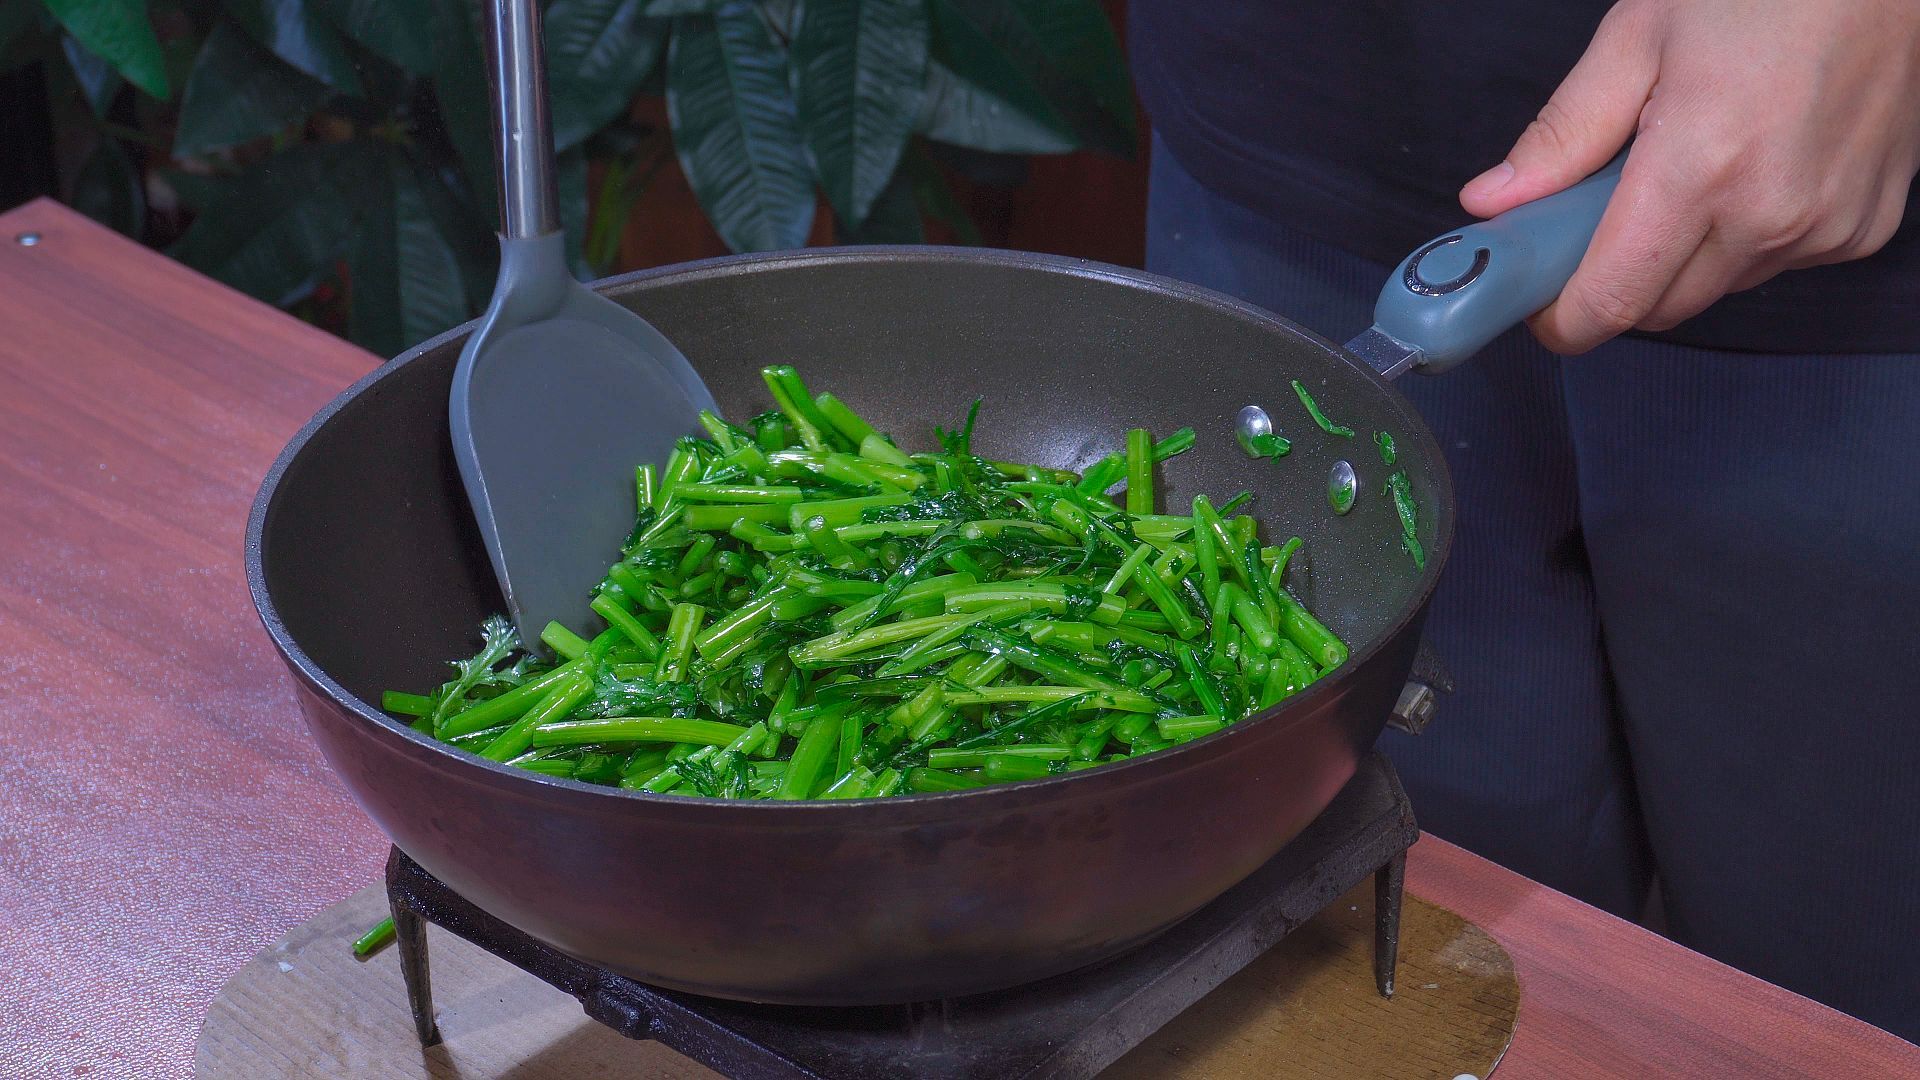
(1683, 611)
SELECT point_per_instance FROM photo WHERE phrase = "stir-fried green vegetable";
(1409, 519)
(1320, 418)
(1384, 440)
(805, 611)
(1268, 446)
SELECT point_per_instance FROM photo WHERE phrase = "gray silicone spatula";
(560, 393)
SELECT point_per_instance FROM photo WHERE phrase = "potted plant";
(340, 148)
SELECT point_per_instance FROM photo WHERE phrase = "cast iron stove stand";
(1064, 1028)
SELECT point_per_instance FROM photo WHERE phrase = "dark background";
(1085, 204)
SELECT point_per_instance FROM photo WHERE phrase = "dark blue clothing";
(1357, 121)
(1683, 610)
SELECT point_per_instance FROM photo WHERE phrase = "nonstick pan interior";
(1065, 357)
(369, 575)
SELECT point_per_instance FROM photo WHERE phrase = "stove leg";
(1388, 887)
(410, 934)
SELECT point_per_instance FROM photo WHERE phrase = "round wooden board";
(1307, 1009)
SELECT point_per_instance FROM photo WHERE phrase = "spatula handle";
(522, 126)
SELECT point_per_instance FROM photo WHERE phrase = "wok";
(368, 573)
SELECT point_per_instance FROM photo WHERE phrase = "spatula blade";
(550, 417)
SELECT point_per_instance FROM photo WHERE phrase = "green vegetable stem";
(805, 609)
(1320, 418)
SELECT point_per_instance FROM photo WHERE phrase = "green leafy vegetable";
(1341, 491)
(1384, 440)
(1320, 418)
(1111, 469)
(497, 641)
(1268, 446)
(1409, 524)
(804, 610)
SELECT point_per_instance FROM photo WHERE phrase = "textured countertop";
(163, 815)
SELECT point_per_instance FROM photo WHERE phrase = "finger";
(1868, 235)
(1715, 269)
(1587, 121)
(1730, 260)
(1651, 228)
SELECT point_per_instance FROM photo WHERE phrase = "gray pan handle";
(522, 128)
(1459, 291)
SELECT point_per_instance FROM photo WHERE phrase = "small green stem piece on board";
(377, 937)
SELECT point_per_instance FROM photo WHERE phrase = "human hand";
(1771, 135)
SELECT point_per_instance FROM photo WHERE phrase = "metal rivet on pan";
(27, 239)
(1342, 486)
(1253, 427)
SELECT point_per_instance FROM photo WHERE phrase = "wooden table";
(163, 815)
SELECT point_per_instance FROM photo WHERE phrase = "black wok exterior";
(368, 574)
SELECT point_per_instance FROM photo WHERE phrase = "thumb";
(1587, 121)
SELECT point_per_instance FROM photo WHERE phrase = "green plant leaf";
(239, 91)
(460, 91)
(935, 197)
(598, 54)
(783, 18)
(628, 164)
(1079, 39)
(570, 184)
(196, 191)
(663, 9)
(894, 219)
(1009, 119)
(178, 52)
(98, 81)
(107, 189)
(295, 31)
(407, 274)
(434, 271)
(1062, 51)
(861, 67)
(276, 229)
(469, 234)
(736, 129)
(117, 31)
(612, 206)
(16, 20)
(399, 30)
(373, 272)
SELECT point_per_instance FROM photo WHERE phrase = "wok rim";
(893, 809)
